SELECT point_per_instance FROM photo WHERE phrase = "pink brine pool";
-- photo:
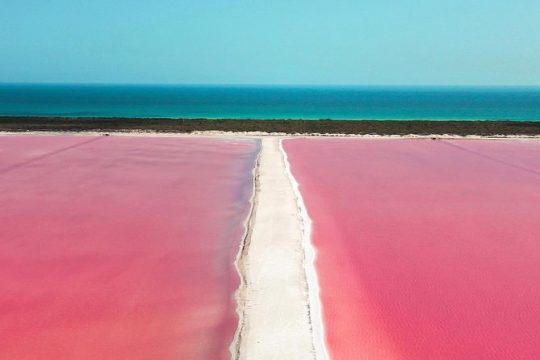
(426, 249)
(120, 248)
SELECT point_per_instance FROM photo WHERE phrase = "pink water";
(426, 249)
(120, 248)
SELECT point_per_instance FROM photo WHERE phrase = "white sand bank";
(258, 134)
(275, 321)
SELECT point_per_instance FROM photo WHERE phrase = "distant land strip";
(351, 127)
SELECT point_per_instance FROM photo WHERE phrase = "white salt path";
(274, 300)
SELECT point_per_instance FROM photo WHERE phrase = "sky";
(338, 42)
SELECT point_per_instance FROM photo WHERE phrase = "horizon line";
(312, 85)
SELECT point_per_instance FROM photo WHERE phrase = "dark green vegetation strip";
(387, 127)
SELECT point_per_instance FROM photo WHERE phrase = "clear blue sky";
(369, 42)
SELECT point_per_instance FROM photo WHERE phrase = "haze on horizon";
(340, 42)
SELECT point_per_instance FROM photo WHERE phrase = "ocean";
(272, 102)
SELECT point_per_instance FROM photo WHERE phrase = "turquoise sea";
(272, 102)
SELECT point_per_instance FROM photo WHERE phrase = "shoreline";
(310, 256)
(274, 127)
(240, 264)
(261, 135)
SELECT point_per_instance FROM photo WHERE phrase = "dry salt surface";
(280, 313)
(121, 247)
(425, 249)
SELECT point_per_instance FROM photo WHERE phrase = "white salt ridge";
(315, 306)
